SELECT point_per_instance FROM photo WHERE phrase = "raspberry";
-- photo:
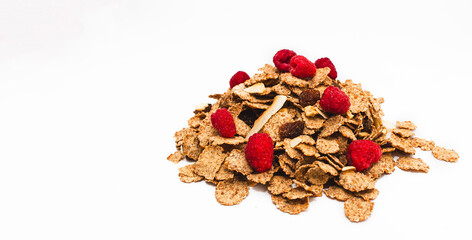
(363, 153)
(309, 97)
(335, 101)
(326, 62)
(237, 78)
(292, 129)
(282, 59)
(260, 152)
(223, 122)
(301, 67)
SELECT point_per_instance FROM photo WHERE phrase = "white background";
(91, 93)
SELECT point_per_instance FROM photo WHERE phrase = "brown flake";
(369, 194)
(338, 193)
(297, 193)
(412, 164)
(401, 144)
(262, 178)
(267, 72)
(447, 155)
(355, 181)
(347, 132)
(327, 145)
(308, 150)
(236, 161)
(287, 165)
(316, 175)
(286, 205)
(406, 125)
(209, 162)
(187, 174)
(406, 133)
(224, 173)
(176, 157)
(279, 184)
(357, 209)
(423, 144)
(290, 80)
(219, 140)
(386, 164)
(232, 191)
(190, 146)
(317, 190)
(331, 125)
(313, 122)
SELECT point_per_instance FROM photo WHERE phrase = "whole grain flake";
(312, 118)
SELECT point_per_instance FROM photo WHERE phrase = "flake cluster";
(291, 141)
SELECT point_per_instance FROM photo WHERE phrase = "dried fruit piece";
(291, 129)
(282, 59)
(412, 164)
(259, 152)
(238, 78)
(326, 62)
(232, 191)
(334, 101)
(309, 97)
(223, 122)
(357, 209)
(363, 153)
(301, 67)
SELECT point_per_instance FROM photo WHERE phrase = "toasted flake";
(292, 152)
(447, 155)
(206, 131)
(412, 164)
(423, 144)
(277, 104)
(232, 191)
(357, 209)
(201, 106)
(321, 77)
(313, 122)
(279, 184)
(406, 133)
(187, 174)
(280, 90)
(264, 177)
(401, 144)
(290, 80)
(190, 146)
(267, 72)
(194, 122)
(331, 125)
(209, 162)
(236, 161)
(369, 194)
(327, 145)
(386, 164)
(338, 193)
(297, 193)
(406, 125)
(310, 111)
(287, 165)
(176, 157)
(355, 181)
(219, 140)
(347, 132)
(224, 173)
(316, 176)
(388, 149)
(317, 190)
(308, 150)
(286, 205)
(179, 136)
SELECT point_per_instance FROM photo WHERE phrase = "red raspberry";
(363, 153)
(301, 67)
(282, 59)
(237, 78)
(223, 122)
(260, 152)
(335, 101)
(326, 62)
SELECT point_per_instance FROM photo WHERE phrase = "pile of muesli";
(310, 145)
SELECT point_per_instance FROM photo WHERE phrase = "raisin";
(309, 97)
(249, 116)
(291, 129)
(367, 124)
